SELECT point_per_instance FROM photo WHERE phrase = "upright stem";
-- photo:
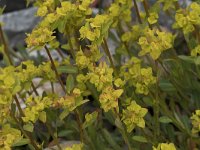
(5, 46)
(53, 136)
(156, 106)
(60, 53)
(62, 85)
(137, 12)
(79, 124)
(106, 50)
(120, 32)
(70, 43)
(54, 68)
(34, 89)
(123, 132)
(18, 106)
(27, 135)
(146, 8)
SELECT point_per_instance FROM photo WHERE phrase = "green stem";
(54, 68)
(146, 8)
(137, 12)
(122, 130)
(80, 125)
(70, 43)
(6, 51)
(120, 32)
(34, 89)
(18, 106)
(60, 53)
(26, 134)
(156, 107)
(106, 50)
(53, 136)
(78, 119)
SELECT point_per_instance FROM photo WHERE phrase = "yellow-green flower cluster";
(96, 28)
(65, 16)
(195, 51)
(4, 113)
(188, 18)
(35, 109)
(46, 71)
(39, 37)
(109, 98)
(82, 61)
(70, 101)
(44, 7)
(26, 72)
(88, 58)
(155, 42)
(165, 146)
(75, 147)
(101, 76)
(196, 121)
(10, 84)
(141, 78)
(8, 136)
(120, 10)
(133, 35)
(133, 116)
(90, 118)
(153, 18)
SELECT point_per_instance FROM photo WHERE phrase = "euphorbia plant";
(144, 96)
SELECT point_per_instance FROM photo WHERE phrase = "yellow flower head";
(196, 121)
(109, 98)
(133, 116)
(39, 37)
(165, 146)
(155, 42)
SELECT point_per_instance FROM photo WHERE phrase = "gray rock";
(17, 23)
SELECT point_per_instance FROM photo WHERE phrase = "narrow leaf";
(69, 83)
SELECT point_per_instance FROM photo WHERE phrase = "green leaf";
(2, 9)
(188, 59)
(140, 139)
(65, 46)
(69, 83)
(165, 119)
(28, 127)
(82, 102)
(67, 69)
(109, 138)
(90, 119)
(64, 114)
(118, 123)
(64, 133)
(61, 26)
(166, 86)
(42, 116)
(21, 142)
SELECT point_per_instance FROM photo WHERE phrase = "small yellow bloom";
(153, 18)
(165, 146)
(109, 98)
(195, 121)
(42, 11)
(133, 116)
